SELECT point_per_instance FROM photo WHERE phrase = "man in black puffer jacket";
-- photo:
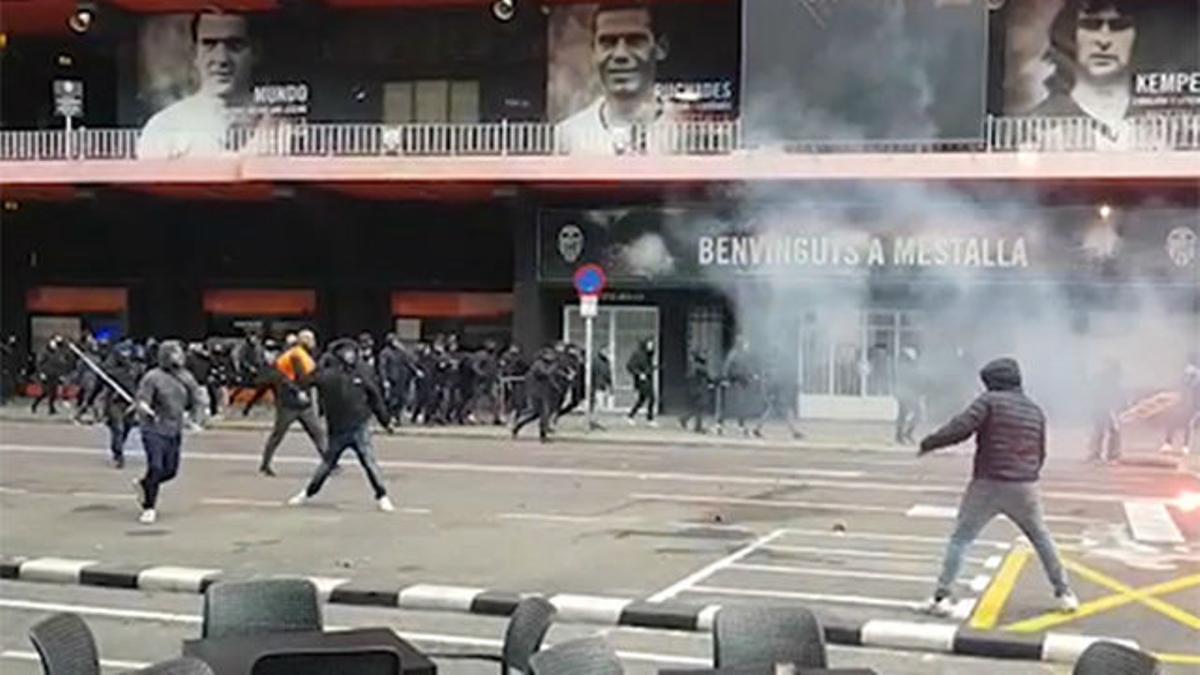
(1010, 448)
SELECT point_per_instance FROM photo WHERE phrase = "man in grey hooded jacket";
(165, 394)
(1010, 449)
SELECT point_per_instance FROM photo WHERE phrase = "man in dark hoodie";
(1010, 448)
(641, 369)
(164, 396)
(347, 387)
(542, 393)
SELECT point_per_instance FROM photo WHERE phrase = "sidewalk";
(819, 434)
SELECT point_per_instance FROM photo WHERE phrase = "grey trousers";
(983, 501)
(284, 418)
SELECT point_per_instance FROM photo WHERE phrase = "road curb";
(581, 609)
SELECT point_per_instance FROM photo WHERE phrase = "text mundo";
(750, 251)
(275, 94)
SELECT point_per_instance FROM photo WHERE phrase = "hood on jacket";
(1001, 374)
(170, 355)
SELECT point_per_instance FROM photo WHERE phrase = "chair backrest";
(585, 656)
(257, 606)
(753, 636)
(527, 628)
(1110, 658)
(183, 666)
(370, 661)
(65, 645)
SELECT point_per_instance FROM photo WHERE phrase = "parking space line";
(859, 600)
(938, 541)
(1179, 659)
(987, 612)
(767, 503)
(863, 553)
(823, 572)
(708, 570)
(1124, 595)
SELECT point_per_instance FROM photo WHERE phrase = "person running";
(349, 395)
(119, 416)
(1010, 449)
(164, 396)
(293, 400)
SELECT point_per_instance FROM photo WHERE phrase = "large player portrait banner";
(616, 68)
(1106, 61)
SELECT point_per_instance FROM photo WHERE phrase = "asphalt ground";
(854, 534)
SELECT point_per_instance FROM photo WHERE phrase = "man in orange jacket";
(293, 398)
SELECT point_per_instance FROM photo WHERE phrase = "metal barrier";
(1001, 134)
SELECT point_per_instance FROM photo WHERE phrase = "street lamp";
(504, 10)
(81, 21)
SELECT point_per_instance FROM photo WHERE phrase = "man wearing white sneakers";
(164, 396)
(1010, 449)
(349, 395)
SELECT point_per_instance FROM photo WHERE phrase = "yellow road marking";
(1124, 595)
(1179, 659)
(987, 612)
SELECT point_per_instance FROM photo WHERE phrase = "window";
(431, 101)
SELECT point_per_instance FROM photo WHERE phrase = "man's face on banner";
(223, 55)
(625, 52)
(1105, 43)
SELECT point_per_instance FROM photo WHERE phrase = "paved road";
(856, 535)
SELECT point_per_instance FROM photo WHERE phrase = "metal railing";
(1001, 134)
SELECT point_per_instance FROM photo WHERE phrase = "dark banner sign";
(684, 247)
(852, 70)
(1105, 59)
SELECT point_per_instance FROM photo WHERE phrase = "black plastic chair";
(373, 661)
(1110, 658)
(183, 666)
(257, 606)
(755, 636)
(65, 645)
(527, 628)
(585, 656)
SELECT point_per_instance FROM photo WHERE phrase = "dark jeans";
(49, 391)
(119, 426)
(162, 463)
(284, 418)
(541, 407)
(645, 392)
(358, 440)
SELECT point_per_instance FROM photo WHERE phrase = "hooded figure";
(1010, 448)
(350, 395)
(164, 396)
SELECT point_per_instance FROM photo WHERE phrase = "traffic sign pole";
(590, 281)
(588, 382)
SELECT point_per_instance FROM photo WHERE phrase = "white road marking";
(993, 562)
(856, 600)
(768, 503)
(862, 553)
(816, 473)
(609, 474)
(237, 501)
(825, 572)
(102, 495)
(708, 570)
(879, 536)
(930, 511)
(15, 655)
(1150, 522)
(106, 612)
(562, 518)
